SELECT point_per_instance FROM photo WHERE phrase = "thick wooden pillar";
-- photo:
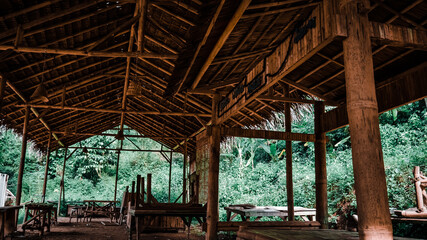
(320, 166)
(23, 153)
(170, 177)
(46, 170)
(117, 170)
(362, 108)
(61, 187)
(289, 181)
(184, 170)
(214, 151)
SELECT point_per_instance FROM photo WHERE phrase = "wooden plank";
(399, 90)
(265, 134)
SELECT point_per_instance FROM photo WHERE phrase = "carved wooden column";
(320, 166)
(214, 152)
(362, 108)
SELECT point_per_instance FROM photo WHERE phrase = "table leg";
(43, 222)
(228, 216)
(49, 218)
(137, 227)
(130, 228)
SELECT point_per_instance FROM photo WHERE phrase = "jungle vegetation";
(251, 170)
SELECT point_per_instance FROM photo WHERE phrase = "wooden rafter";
(221, 40)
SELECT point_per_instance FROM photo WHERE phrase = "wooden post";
(132, 199)
(289, 181)
(23, 153)
(170, 177)
(61, 185)
(2, 88)
(214, 152)
(362, 108)
(138, 190)
(46, 171)
(117, 170)
(149, 188)
(320, 166)
(142, 190)
(184, 177)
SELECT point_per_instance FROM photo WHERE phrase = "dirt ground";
(95, 230)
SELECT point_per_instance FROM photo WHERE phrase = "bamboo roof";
(83, 51)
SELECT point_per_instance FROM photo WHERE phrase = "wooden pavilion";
(181, 70)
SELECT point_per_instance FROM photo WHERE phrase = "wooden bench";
(234, 226)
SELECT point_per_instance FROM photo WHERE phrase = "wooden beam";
(266, 134)
(241, 56)
(141, 23)
(273, 4)
(126, 84)
(285, 99)
(117, 149)
(362, 109)
(252, 15)
(221, 40)
(289, 170)
(90, 134)
(393, 35)
(103, 110)
(88, 54)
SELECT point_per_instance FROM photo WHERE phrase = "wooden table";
(185, 211)
(99, 207)
(37, 217)
(246, 212)
(8, 220)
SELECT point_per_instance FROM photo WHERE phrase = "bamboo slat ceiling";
(177, 39)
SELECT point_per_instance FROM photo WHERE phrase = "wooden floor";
(280, 234)
(95, 230)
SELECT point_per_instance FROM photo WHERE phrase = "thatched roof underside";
(170, 28)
